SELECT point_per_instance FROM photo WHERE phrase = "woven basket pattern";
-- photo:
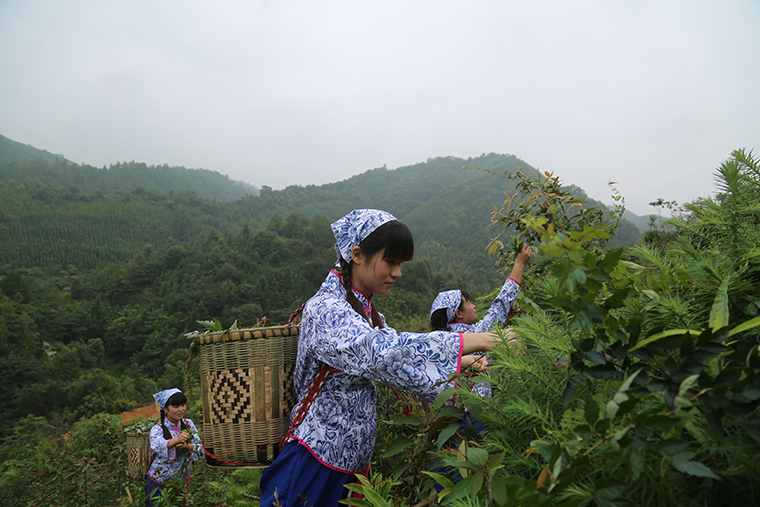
(138, 454)
(248, 393)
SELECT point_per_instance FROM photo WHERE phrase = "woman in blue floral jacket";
(452, 310)
(174, 443)
(341, 329)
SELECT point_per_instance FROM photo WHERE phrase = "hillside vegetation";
(638, 384)
(446, 202)
(13, 151)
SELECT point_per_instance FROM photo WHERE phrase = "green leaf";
(617, 299)
(443, 398)
(583, 431)
(451, 411)
(546, 449)
(477, 455)
(397, 446)
(620, 396)
(355, 501)
(719, 310)
(211, 325)
(753, 429)
(615, 440)
(655, 423)
(591, 411)
(660, 336)
(496, 460)
(447, 433)
(568, 394)
(460, 490)
(683, 463)
(440, 479)
(499, 489)
(375, 499)
(744, 326)
(398, 470)
(610, 260)
(637, 463)
(408, 421)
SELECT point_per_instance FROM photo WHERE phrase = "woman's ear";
(458, 315)
(356, 255)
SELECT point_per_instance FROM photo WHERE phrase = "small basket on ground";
(138, 454)
(247, 393)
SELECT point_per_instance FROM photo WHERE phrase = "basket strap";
(316, 386)
(294, 315)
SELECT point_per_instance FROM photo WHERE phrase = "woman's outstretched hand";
(478, 362)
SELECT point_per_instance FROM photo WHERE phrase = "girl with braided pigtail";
(373, 316)
(174, 443)
(333, 432)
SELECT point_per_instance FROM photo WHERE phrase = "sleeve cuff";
(461, 347)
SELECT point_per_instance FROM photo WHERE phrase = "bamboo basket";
(138, 454)
(247, 393)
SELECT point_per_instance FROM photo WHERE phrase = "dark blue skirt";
(297, 478)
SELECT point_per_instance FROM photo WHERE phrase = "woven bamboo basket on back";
(138, 454)
(247, 393)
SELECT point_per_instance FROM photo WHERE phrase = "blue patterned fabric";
(353, 228)
(451, 300)
(497, 314)
(169, 463)
(162, 397)
(339, 428)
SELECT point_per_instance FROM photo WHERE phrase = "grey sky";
(651, 94)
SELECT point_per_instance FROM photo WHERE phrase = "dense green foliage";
(55, 226)
(23, 163)
(641, 382)
(445, 202)
(98, 288)
(128, 317)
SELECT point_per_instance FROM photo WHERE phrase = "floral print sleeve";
(339, 428)
(499, 310)
(169, 463)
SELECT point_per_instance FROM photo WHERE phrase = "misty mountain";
(63, 214)
(13, 151)
(22, 163)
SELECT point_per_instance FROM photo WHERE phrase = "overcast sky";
(653, 95)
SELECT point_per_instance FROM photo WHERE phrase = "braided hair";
(395, 240)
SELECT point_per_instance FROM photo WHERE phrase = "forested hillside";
(637, 383)
(13, 151)
(446, 201)
(110, 280)
(125, 177)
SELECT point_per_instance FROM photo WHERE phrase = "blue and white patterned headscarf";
(451, 300)
(353, 228)
(162, 397)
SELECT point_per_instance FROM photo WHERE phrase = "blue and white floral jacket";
(339, 428)
(497, 314)
(167, 463)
